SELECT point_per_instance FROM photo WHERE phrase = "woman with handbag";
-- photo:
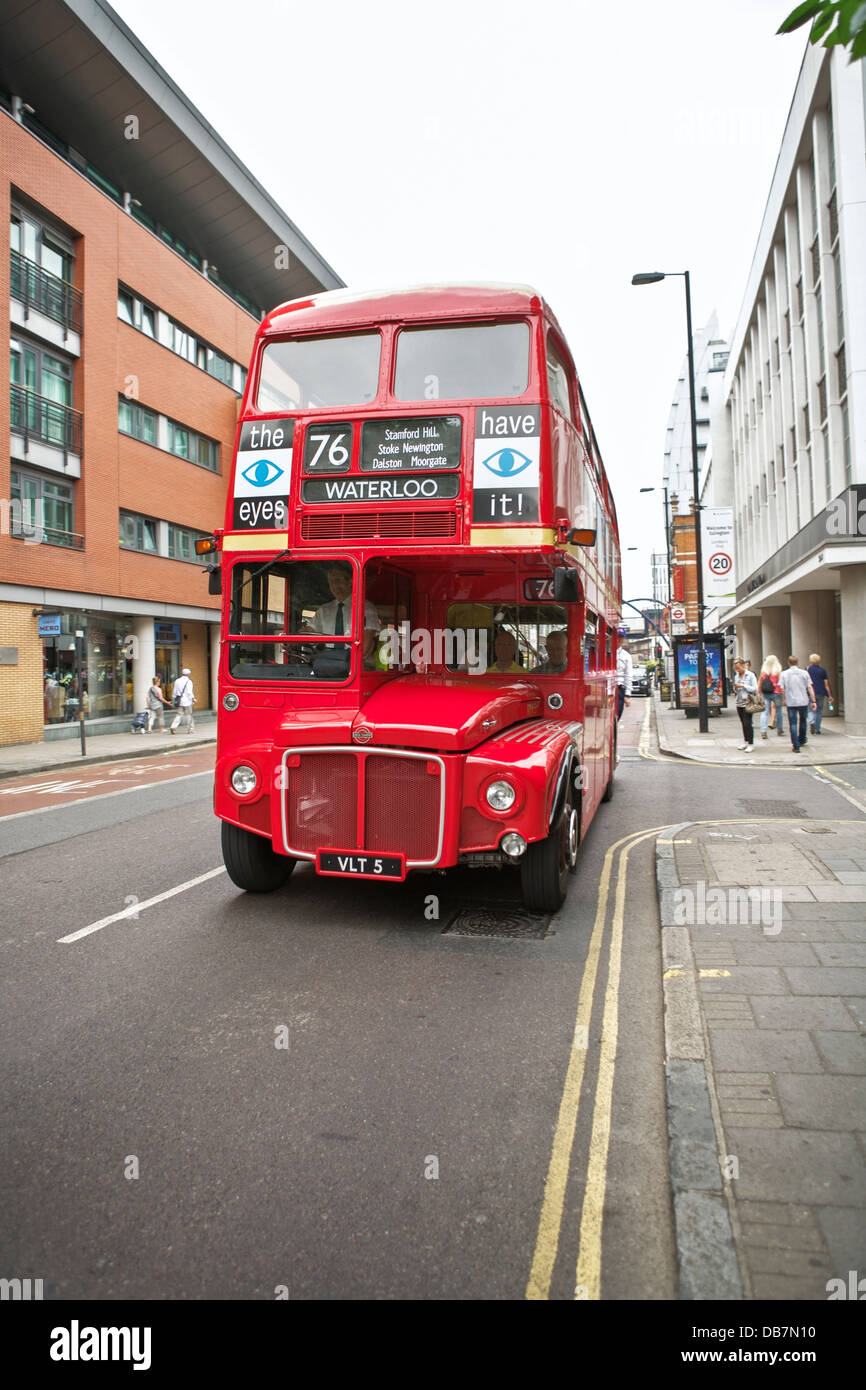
(769, 687)
(746, 691)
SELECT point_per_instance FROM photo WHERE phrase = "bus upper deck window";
(472, 362)
(319, 373)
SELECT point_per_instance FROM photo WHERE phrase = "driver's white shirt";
(326, 616)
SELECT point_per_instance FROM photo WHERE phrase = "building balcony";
(46, 535)
(40, 428)
(45, 304)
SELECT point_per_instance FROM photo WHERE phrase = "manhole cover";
(773, 808)
(504, 920)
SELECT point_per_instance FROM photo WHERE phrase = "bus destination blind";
(410, 446)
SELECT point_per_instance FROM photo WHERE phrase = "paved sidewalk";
(765, 1032)
(680, 736)
(21, 758)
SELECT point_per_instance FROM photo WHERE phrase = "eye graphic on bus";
(262, 472)
(507, 463)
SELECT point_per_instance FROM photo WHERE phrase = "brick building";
(141, 256)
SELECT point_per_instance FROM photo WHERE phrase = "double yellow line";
(588, 1272)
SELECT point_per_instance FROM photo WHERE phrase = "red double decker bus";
(421, 591)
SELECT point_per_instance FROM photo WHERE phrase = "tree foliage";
(848, 17)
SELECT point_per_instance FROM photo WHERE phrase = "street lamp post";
(650, 278)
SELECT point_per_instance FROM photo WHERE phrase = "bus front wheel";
(250, 861)
(547, 864)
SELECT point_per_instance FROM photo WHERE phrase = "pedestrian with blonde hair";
(769, 687)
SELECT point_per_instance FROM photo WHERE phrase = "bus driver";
(335, 617)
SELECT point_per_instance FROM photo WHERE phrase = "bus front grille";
(401, 805)
(388, 525)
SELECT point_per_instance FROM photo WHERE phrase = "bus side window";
(557, 380)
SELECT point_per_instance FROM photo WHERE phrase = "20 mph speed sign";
(717, 545)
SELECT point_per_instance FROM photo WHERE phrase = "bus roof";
(342, 308)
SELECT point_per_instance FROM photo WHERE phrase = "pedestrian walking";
(624, 668)
(156, 704)
(745, 688)
(183, 699)
(821, 686)
(799, 695)
(768, 686)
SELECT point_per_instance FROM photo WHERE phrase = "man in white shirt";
(799, 695)
(183, 690)
(624, 667)
(335, 617)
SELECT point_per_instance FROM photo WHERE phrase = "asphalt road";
(158, 1144)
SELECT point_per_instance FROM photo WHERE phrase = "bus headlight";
(244, 779)
(500, 796)
(513, 844)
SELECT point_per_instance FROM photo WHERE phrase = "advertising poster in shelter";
(686, 658)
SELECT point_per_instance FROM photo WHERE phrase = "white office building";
(661, 584)
(711, 358)
(795, 391)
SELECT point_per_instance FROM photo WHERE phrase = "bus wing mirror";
(565, 585)
(214, 580)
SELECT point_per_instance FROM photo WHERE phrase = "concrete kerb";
(762, 759)
(706, 1250)
(94, 759)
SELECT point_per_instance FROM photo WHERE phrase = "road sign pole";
(79, 642)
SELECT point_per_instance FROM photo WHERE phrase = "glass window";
(138, 533)
(218, 366)
(508, 638)
(45, 509)
(207, 453)
(462, 363)
(181, 544)
(319, 373)
(179, 441)
(125, 307)
(557, 381)
(136, 420)
(309, 600)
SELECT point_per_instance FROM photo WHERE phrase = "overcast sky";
(560, 143)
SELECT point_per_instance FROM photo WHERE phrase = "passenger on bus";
(336, 616)
(505, 649)
(557, 654)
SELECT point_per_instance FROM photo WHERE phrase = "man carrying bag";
(183, 699)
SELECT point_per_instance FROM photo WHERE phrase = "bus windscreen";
(319, 373)
(486, 361)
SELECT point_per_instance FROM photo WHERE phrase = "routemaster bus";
(420, 574)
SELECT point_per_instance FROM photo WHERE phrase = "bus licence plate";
(354, 864)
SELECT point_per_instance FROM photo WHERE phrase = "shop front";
(105, 668)
(167, 662)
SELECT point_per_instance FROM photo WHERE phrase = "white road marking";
(103, 796)
(134, 908)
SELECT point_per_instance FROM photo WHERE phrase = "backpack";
(767, 686)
